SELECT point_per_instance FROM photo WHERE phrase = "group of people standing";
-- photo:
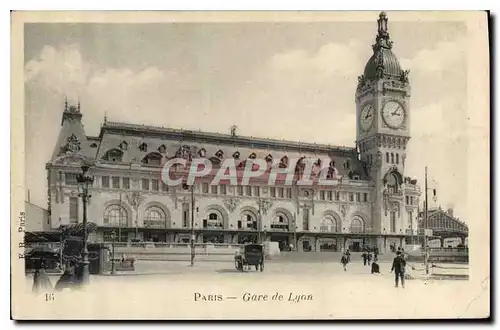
(42, 283)
(370, 258)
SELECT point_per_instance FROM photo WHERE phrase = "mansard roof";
(113, 134)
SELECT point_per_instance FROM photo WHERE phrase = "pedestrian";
(344, 260)
(68, 278)
(41, 281)
(369, 256)
(375, 268)
(348, 255)
(398, 266)
(365, 258)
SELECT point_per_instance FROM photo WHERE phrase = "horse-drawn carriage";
(248, 256)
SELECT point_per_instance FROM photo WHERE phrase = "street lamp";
(113, 237)
(85, 180)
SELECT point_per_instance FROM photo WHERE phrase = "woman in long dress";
(41, 281)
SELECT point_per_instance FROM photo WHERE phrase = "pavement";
(167, 288)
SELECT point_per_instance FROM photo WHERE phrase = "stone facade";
(373, 203)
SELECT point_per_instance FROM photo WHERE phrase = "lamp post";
(113, 237)
(85, 180)
(192, 226)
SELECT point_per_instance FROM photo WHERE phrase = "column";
(441, 240)
(462, 240)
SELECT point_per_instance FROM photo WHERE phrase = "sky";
(293, 81)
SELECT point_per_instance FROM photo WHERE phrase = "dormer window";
(143, 147)
(236, 155)
(153, 158)
(113, 155)
(123, 145)
(284, 162)
(252, 155)
(269, 158)
(332, 163)
(219, 154)
(202, 152)
(162, 149)
(93, 145)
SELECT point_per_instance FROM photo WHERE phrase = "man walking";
(398, 266)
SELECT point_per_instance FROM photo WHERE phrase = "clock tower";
(383, 131)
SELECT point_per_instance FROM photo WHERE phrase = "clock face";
(366, 117)
(393, 114)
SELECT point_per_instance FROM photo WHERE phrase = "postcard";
(250, 165)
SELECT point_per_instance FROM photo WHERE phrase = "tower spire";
(383, 38)
(65, 103)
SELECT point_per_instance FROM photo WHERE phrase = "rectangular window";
(105, 181)
(407, 200)
(280, 192)
(70, 179)
(73, 210)
(393, 222)
(126, 183)
(185, 215)
(351, 197)
(248, 190)
(240, 190)
(213, 189)
(204, 188)
(116, 182)
(288, 192)
(329, 195)
(365, 197)
(358, 197)
(155, 185)
(145, 184)
(337, 196)
(256, 191)
(164, 186)
(223, 189)
(411, 200)
(305, 219)
(322, 195)
(272, 191)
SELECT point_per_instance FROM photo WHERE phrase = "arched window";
(392, 183)
(397, 158)
(387, 157)
(328, 224)
(115, 216)
(162, 149)
(214, 220)
(202, 152)
(113, 155)
(249, 220)
(280, 222)
(392, 158)
(155, 218)
(357, 225)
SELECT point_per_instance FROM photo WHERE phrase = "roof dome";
(385, 59)
(383, 62)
